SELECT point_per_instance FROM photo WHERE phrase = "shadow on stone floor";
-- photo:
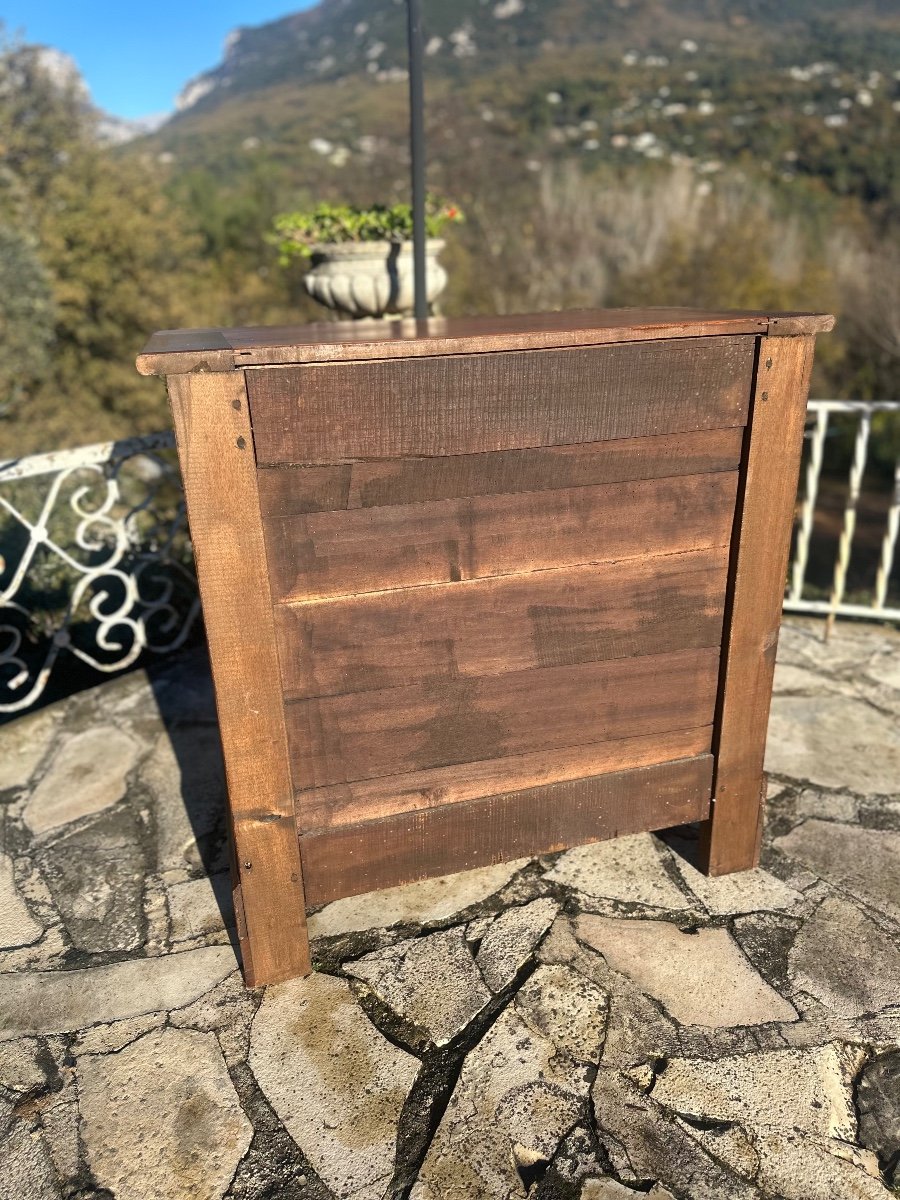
(185, 700)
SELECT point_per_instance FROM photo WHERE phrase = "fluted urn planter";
(372, 279)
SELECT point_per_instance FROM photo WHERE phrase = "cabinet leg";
(730, 840)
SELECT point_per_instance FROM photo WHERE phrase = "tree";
(26, 319)
(119, 258)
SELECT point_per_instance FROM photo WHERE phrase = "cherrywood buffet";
(486, 588)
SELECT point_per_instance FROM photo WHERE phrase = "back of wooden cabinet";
(498, 584)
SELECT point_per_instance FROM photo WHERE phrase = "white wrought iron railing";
(95, 562)
(95, 557)
(862, 413)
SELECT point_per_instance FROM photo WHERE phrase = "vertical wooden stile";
(215, 446)
(760, 547)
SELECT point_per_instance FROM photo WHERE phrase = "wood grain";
(317, 555)
(760, 553)
(292, 491)
(215, 449)
(457, 837)
(178, 351)
(470, 403)
(367, 734)
(511, 623)
(370, 799)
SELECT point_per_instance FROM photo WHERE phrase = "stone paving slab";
(594, 1025)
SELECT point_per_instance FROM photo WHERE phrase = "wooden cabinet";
(482, 589)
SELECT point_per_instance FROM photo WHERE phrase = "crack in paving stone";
(53, 1080)
(520, 1090)
(704, 1124)
(876, 1100)
(437, 1079)
(766, 939)
(336, 1082)
(393, 1026)
(30, 1109)
(641, 1135)
(432, 982)
(579, 1157)
(82, 1185)
(274, 1167)
(430, 1094)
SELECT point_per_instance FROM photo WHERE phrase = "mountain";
(64, 73)
(317, 101)
(340, 38)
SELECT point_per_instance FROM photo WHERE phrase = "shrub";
(298, 234)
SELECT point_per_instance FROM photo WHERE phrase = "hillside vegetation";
(605, 153)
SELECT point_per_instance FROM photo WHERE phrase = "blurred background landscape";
(605, 152)
(714, 153)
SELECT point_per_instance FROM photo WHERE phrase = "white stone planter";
(372, 279)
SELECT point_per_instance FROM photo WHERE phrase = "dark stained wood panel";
(468, 403)
(179, 351)
(368, 734)
(316, 555)
(507, 623)
(291, 491)
(370, 799)
(456, 837)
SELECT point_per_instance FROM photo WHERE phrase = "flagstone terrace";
(602, 1023)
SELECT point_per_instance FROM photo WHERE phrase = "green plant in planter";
(298, 234)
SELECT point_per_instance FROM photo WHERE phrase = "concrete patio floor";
(597, 1025)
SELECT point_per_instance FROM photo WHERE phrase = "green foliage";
(297, 234)
(118, 252)
(26, 319)
(93, 257)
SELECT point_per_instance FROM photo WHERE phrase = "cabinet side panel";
(291, 491)
(460, 404)
(495, 626)
(364, 735)
(329, 554)
(456, 837)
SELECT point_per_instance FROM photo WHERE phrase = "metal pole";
(417, 153)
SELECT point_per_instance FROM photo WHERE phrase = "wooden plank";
(510, 623)
(470, 403)
(367, 734)
(215, 448)
(173, 351)
(317, 555)
(456, 837)
(291, 491)
(370, 799)
(760, 554)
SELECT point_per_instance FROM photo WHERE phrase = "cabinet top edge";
(183, 351)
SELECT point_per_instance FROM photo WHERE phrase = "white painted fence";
(86, 527)
(122, 559)
(820, 412)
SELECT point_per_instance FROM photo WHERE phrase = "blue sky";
(137, 56)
